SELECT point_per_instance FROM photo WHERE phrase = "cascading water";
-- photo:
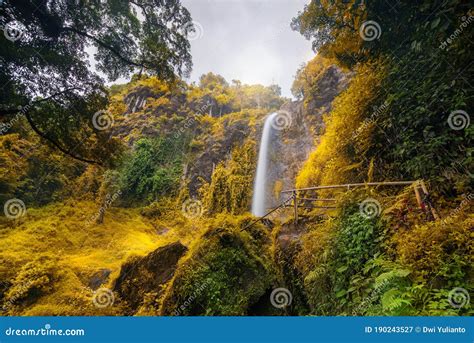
(259, 201)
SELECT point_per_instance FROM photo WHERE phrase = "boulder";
(99, 278)
(148, 274)
(228, 272)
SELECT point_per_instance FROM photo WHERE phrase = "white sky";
(248, 40)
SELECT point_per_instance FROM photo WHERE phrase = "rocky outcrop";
(141, 276)
(99, 278)
(227, 274)
(306, 124)
(215, 150)
(328, 86)
(136, 100)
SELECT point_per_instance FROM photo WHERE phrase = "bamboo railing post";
(295, 204)
(428, 200)
(417, 195)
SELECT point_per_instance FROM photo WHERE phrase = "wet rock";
(288, 246)
(289, 234)
(215, 151)
(226, 275)
(136, 99)
(148, 274)
(99, 278)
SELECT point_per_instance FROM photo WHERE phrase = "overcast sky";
(248, 40)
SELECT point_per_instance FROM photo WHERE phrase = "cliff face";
(304, 125)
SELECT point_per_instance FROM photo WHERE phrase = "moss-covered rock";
(228, 272)
(141, 276)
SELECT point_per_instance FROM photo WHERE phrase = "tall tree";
(47, 50)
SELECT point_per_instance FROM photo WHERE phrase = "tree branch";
(106, 46)
(56, 144)
(16, 110)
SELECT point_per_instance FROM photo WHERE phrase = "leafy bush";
(232, 180)
(153, 170)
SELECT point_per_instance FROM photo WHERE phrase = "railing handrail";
(350, 185)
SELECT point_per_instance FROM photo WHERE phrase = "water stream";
(260, 188)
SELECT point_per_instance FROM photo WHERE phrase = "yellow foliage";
(308, 76)
(51, 255)
(315, 245)
(335, 158)
(228, 190)
(425, 247)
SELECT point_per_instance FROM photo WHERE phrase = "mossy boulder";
(228, 272)
(140, 277)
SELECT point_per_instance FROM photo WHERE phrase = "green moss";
(230, 187)
(228, 271)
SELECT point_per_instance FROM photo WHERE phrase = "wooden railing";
(419, 187)
(421, 193)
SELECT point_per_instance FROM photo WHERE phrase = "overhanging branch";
(56, 144)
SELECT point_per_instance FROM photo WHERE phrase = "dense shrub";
(153, 170)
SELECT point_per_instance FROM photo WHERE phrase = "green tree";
(45, 61)
(153, 170)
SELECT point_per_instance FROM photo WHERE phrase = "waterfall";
(259, 201)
